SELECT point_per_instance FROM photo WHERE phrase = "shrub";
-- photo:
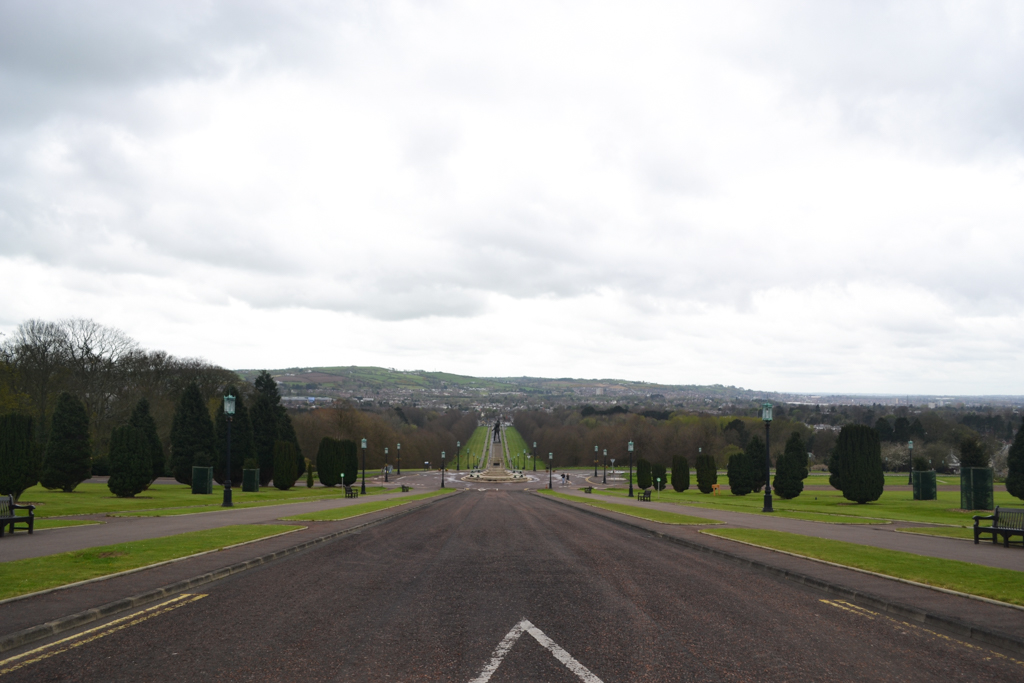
(680, 473)
(285, 472)
(740, 477)
(1015, 466)
(857, 458)
(755, 452)
(328, 461)
(791, 468)
(130, 463)
(922, 464)
(68, 459)
(643, 473)
(707, 473)
(20, 456)
(658, 473)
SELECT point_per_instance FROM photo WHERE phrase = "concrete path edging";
(975, 633)
(71, 621)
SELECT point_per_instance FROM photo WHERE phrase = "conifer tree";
(284, 465)
(658, 478)
(142, 420)
(241, 439)
(328, 461)
(755, 451)
(349, 461)
(20, 455)
(1015, 466)
(68, 459)
(271, 423)
(131, 464)
(858, 459)
(707, 473)
(680, 473)
(791, 468)
(972, 454)
(740, 476)
(643, 473)
(191, 433)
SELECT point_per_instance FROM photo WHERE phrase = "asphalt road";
(430, 596)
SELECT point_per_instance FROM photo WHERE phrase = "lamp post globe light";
(398, 447)
(630, 469)
(442, 469)
(362, 489)
(229, 413)
(458, 455)
(385, 464)
(550, 457)
(909, 462)
(604, 477)
(766, 415)
(534, 456)
(595, 462)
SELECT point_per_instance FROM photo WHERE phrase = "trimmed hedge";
(329, 461)
(131, 464)
(680, 473)
(643, 473)
(707, 473)
(285, 470)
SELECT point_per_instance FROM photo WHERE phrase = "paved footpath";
(880, 535)
(509, 586)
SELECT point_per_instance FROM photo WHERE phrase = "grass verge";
(39, 573)
(362, 508)
(989, 582)
(651, 514)
(216, 507)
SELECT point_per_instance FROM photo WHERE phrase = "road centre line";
(98, 632)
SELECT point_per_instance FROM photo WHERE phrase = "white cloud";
(801, 196)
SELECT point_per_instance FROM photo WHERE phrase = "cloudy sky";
(788, 196)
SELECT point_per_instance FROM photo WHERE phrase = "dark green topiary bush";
(349, 461)
(658, 471)
(755, 452)
(680, 473)
(68, 459)
(285, 471)
(857, 458)
(741, 478)
(131, 466)
(1015, 466)
(328, 461)
(643, 473)
(20, 456)
(144, 422)
(791, 468)
(707, 473)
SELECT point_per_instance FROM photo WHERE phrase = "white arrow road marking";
(551, 646)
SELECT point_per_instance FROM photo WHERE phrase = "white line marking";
(510, 639)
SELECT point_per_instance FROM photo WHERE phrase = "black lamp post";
(630, 469)
(442, 469)
(362, 489)
(534, 456)
(385, 464)
(604, 477)
(909, 462)
(766, 415)
(458, 456)
(595, 462)
(229, 413)
(550, 470)
(399, 448)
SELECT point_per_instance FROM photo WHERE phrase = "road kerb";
(982, 635)
(51, 628)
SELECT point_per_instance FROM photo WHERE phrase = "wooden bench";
(8, 518)
(644, 495)
(1006, 522)
(588, 489)
(351, 492)
(406, 488)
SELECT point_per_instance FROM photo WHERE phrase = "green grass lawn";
(362, 508)
(39, 573)
(90, 499)
(997, 584)
(633, 511)
(893, 505)
(473, 449)
(215, 507)
(516, 446)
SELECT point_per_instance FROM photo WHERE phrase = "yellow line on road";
(96, 633)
